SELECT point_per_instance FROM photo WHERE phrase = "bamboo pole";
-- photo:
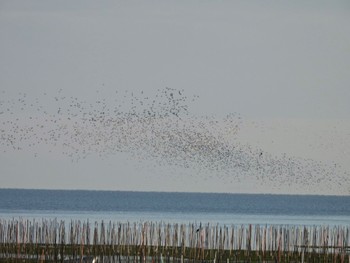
(53, 240)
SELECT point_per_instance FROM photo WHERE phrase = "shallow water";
(175, 207)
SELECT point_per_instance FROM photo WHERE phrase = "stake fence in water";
(54, 240)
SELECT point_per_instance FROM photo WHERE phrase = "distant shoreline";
(167, 192)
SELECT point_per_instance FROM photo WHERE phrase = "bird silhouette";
(159, 128)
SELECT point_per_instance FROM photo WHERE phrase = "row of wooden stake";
(122, 236)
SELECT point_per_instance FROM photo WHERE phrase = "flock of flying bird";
(159, 129)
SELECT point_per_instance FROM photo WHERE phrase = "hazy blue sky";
(282, 65)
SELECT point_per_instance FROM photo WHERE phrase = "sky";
(279, 69)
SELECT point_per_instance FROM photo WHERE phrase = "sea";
(175, 207)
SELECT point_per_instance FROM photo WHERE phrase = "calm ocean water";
(175, 207)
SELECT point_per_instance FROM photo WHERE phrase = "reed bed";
(61, 241)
